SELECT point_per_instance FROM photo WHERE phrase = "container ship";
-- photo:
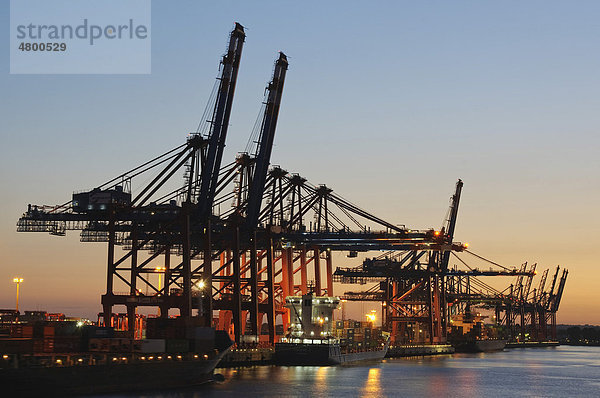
(62, 358)
(469, 333)
(312, 338)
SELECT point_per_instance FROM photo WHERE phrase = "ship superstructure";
(311, 318)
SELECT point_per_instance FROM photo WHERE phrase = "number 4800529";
(42, 46)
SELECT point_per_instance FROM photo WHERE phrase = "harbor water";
(527, 372)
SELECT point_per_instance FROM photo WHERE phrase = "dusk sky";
(388, 103)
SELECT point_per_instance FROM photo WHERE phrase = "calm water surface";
(530, 372)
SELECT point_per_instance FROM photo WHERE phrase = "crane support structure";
(180, 249)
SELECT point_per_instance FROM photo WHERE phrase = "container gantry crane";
(244, 261)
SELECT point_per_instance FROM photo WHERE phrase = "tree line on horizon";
(577, 335)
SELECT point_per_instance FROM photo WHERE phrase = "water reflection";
(372, 386)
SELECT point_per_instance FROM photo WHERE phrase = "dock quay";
(264, 356)
(532, 344)
(419, 350)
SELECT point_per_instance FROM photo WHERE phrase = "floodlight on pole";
(18, 281)
(160, 271)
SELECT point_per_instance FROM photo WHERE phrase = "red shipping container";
(28, 331)
(48, 344)
(16, 346)
(67, 344)
(16, 331)
(38, 346)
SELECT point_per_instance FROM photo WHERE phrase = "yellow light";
(150, 357)
(169, 357)
(158, 357)
(123, 359)
(371, 317)
(58, 361)
(178, 356)
(4, 356)
(159, 269)
(466, 245)
(196, 356)
(80, 360)
(321, 320)
(205, 356)
(142, 358)
(200, 284)
(17, 280)
(115, 359)
(436, 233)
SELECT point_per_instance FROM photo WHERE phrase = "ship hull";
(480, 346)
(322, 354)
(96, 379)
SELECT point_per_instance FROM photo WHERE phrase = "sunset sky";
(388, 103)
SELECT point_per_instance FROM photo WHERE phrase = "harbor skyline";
(389, 105)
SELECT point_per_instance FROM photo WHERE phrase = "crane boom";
(265, 146)
(452, 223)
(220, 121)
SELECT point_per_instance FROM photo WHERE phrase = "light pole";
(160, 271)
(200, 285)
(18, 281)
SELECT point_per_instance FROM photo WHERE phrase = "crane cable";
(489, 261)
(204, 122)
